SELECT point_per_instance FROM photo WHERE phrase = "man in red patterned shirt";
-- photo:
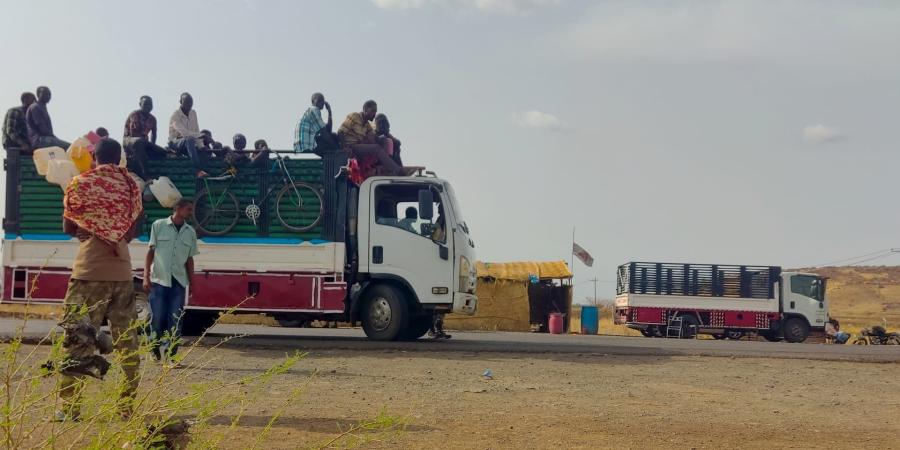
(140, 138)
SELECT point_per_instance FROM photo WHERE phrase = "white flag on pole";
(582, 254)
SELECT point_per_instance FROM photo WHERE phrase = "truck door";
(407, 246)
(805, 295)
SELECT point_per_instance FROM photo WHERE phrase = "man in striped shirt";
(312, 130)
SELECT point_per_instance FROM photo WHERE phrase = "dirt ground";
(571, 401)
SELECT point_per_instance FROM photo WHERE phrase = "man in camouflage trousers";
(101, 286)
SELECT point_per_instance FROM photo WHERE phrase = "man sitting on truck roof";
(313, 134)
(360, 142)
(40, 127)
(184, 133)
(15, 131)
(140, 138)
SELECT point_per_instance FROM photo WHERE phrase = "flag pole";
(572, 268)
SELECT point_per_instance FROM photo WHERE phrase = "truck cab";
(415, 255)
(803, 298)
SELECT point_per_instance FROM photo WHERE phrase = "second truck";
(681, 300)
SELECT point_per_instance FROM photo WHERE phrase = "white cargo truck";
(681, 300)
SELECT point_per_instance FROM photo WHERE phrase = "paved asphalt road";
(518, 343)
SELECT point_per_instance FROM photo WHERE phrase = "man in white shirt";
(184, 133)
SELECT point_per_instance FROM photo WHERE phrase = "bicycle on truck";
(298, 205)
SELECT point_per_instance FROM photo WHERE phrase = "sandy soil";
(572, 401)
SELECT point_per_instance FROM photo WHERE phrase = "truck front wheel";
(384, 313)
(795, 330)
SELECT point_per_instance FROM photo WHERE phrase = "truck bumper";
(464, 303)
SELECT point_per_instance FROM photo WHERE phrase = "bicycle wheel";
(215, 211)
(299, 207)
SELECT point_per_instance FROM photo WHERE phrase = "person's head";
(412, 213)
(43, 94)
(102, 132)
(108, 151)
(260, 144)
(239, 141)
(382, 125)
(186, 102)
(206, 134)
(370, 109)
(318, 100)
(146, 104)
(27, 99)
(184, 208)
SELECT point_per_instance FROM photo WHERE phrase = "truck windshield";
(808, 286)
(457, 212)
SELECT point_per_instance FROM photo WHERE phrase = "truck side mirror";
(426, 204)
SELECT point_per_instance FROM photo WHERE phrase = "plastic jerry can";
(61, 172)
(43, 156)
(80, 154)
(165, 192)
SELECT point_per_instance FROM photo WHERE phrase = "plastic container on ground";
(165, 192)
(555, 324)
(80, 154)
(61, 172)
(43, 156)
(590, 320)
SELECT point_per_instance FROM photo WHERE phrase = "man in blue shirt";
(312, 134)
(167, 274)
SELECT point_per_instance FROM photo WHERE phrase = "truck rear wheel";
(734, 334)
(384, 313)
(795, 330)
(195, 323)
(689, 325)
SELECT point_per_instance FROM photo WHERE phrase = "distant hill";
(863, 295)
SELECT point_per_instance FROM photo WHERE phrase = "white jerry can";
(43, 156)
(61, 171)
(165, 192)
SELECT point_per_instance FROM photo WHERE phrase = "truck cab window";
(397, 206)
(807, 286)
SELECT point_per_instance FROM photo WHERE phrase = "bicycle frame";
(232, 174)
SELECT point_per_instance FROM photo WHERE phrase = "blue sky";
(732, 132)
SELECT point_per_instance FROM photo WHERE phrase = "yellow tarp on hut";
(522, 271)
(502, 292)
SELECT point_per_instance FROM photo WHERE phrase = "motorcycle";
(877, 335)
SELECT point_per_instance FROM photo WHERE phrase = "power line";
(891, 253)
(879, 253)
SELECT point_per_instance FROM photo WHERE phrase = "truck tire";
(735, 335)
(417, 327)
(795, 330)
(384, 314)
(648, 332)
(195, 323)
(689, 325)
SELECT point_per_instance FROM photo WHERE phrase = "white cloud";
(538, 119)
(485, 6)
(820, 134)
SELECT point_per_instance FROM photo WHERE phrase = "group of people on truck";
(364, 135)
